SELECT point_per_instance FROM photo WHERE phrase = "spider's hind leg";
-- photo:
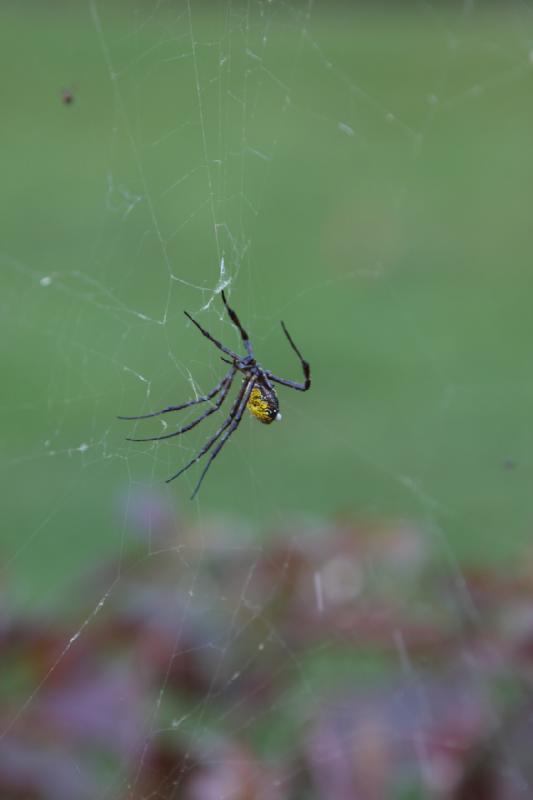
(225, 387)
(232, 427)
(232, 421)
(202, 399)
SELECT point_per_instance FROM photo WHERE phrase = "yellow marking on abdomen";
(259, 406)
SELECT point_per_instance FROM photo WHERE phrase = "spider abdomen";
(263, 404)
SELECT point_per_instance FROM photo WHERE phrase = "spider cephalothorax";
(256, 393)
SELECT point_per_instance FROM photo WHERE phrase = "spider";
(257, 393)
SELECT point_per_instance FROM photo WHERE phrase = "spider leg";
(301, 387)
(201, 399)
(226, 385)
(231, 429)
(244, 393)
(236, 321)
(207, 335)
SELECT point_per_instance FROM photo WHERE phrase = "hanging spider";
(257, 393)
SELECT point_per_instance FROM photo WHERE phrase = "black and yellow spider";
(257, 393)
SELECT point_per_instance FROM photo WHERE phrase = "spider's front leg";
(211, 338)
(306, 369)
(236, 321)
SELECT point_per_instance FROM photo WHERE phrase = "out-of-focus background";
(346, 609)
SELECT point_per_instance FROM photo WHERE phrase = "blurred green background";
(364, 171)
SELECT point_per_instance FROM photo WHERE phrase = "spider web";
(362, 173)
